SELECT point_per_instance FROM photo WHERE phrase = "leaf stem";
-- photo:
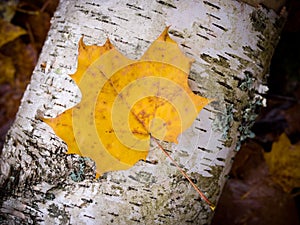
(211, 205)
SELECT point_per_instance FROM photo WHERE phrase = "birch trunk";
(232, 44)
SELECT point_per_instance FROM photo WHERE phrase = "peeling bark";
(232, 44)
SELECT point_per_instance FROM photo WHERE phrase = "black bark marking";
(134, 7)
(202, 36)
(218, 72)
(225, 85)
(205, 150)
(143, 16)
(220, 27)
(185, 46)
(216, 17)
(212, 5)
(167, 4)
(176, 33)
(201, 129)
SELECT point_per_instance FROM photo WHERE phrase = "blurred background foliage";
(23, 28)
(263, 185)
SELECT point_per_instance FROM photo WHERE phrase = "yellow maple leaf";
(283, 162)
(126, 102)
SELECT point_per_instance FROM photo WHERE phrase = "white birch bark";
(232, 44)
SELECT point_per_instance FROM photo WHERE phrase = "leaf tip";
(81, 43)
(97, 175)
(108, 45)
(165, 36)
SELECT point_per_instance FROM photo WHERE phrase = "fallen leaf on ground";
(283, 162)
(126, 102)
(7, 69)
(9, 32)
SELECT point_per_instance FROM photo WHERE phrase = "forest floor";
(253, 194)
